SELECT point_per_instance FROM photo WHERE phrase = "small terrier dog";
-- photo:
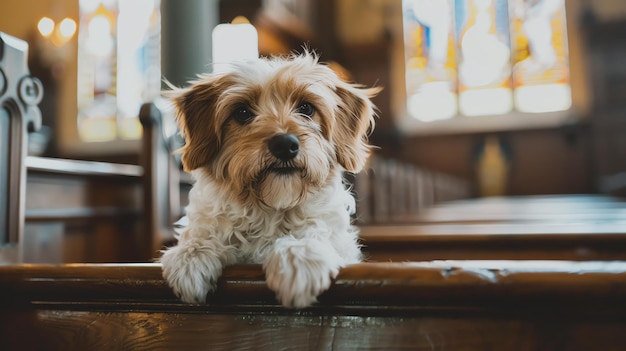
(267, 144)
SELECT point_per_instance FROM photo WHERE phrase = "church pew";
(449, 305)
(56, 210)
(391, 191)
(495, 242)
(565, 227)
(98, 216)
(19, 95)
(98, 212)
(83, 211)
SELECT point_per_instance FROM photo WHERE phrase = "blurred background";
(519, 97)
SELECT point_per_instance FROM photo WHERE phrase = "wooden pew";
(391, 192)
(19, 95)
(83, 211)
(463, 305)
(73, 210)
(564, 227)
(406, 213)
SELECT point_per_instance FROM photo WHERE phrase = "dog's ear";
(354, 121)
(197, 120)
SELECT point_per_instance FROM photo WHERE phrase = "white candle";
(233, 42)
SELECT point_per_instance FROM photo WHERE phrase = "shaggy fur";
(248, 205)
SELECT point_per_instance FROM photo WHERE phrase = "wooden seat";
(19, 95)
(461, 305)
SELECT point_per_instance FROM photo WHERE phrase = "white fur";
(300, 248)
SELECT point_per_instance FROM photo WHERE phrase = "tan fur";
(341, 125)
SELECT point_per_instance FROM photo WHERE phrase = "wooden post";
(160, 181)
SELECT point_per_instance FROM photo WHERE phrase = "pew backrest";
(20, 93)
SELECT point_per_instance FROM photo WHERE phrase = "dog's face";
(272, 130)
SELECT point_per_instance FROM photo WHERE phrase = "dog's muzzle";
(284, 146)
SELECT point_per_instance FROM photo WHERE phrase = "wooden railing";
(464, 305)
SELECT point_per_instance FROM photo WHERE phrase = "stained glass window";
(118, 66)
(485, 57)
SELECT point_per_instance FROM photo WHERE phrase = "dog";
(267, 143)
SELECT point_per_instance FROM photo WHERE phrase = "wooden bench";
(74, 211)
(563, 227)
(463, 305)
(82, 211)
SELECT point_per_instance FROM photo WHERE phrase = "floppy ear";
(197, 120)
(354, 122)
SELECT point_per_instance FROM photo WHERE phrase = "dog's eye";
(306, 109)
(242, 114)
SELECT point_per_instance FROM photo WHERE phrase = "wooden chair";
(19, 95)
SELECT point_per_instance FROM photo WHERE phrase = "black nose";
(284, 146)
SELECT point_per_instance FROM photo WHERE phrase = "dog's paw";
(191, 270)
(299, 270)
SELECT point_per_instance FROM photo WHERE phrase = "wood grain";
(446, 305)
(417, 284)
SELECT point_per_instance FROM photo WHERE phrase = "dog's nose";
(284, 146)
